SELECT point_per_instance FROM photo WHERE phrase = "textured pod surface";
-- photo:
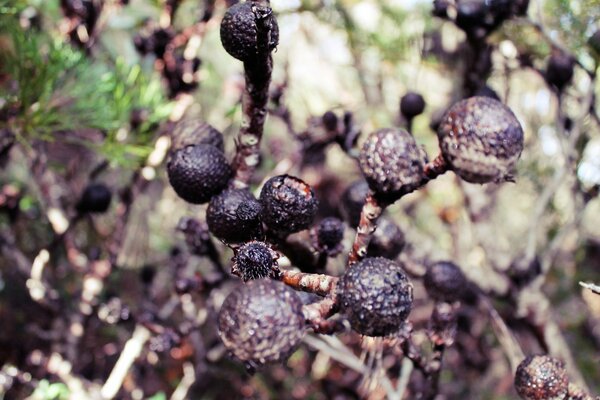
(194, 131)
(261, 322)
(541, 378)
(95, 198)
(234, 216)
(254, 260)
(392, 163)
(329, 235)
(387, 241)
(481, 140)
(412, 104)
(353, 200)
(444, 281)
(239, 31)
(376, 296)
(198, 172)
(289, 204)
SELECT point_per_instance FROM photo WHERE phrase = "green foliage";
(50, 391)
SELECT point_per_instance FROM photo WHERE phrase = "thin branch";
(319, 284)
(591, 286)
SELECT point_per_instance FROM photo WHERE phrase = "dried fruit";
(195, 131)
(198, 172)
(444, 281)
(329, 234)
(330, 121)
(392, 163)
(234, 216)
(262, 322)
(387, 241)
(376, 296)
(411, 105)
(288, 204)
(481, 140)
(353, 200)
(95, 199)
(239, 31)
(559, 70)
(541, 378)
(254, 260)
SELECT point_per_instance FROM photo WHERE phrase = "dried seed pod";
(193, 131)
(559, 70)
(376, 296)
(444, 281)
(255, 260)
(330, 121)
(198, 172)
(481, 140)
(288, 204)
(196, 234)
(328, 235)
(239, 31)
(229, 225)
(411, 105)
(387, 241)
(95, 199)
(392, 163)
(353, 200)
(261, 322)
(541, 378)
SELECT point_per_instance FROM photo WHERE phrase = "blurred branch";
(591, 286)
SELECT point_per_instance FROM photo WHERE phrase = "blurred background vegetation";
(97, 107)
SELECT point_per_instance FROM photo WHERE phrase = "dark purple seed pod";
(376, 296)
(239, 30)
(470, 14)
(196, 234)
(353, 200)
(440, 8)
(559, 70)
(411, 105)
(255, 260)
(330, 121)
(486, 91)
(261, 322)
(194, 131)
(444, 281)
(387, 241)
(198, 172)
(234, 216)
(95, 199)
(541, 378)
(392, 163)
(328, 236)
(288, 204)
(481, 140)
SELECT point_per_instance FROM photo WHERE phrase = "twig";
(254, 102)
(371, 211)
(319, 284)
(316, 315)
(132, 350)
(591, 286)
(189, 377)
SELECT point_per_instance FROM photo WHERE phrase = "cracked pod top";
(392, 163)
(376, 296)
(541, 378)
(481, 140)
(239, 29)
(262, 322)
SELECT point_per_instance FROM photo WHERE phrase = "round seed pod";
(239, 30)
(226, 223)
(559, 70)
(487, 91)
(262, 322)
(95, 199)
(194, 131)
(411, 105)
(329, 235)
(444, 281)
(392, 163)
(288, 204)
(541, 378)
(471, 15)
(330, 121)
(481, 140)
(376, 296)
(387, 241)
(254, 260)
(198, 172)
(353, 200)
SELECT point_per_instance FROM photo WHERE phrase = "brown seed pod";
(376, 296)
(239, 32)
(261, 322)
(444, 281)
(481, 140)
(193, 131)
(392, 163)
(541, 378)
